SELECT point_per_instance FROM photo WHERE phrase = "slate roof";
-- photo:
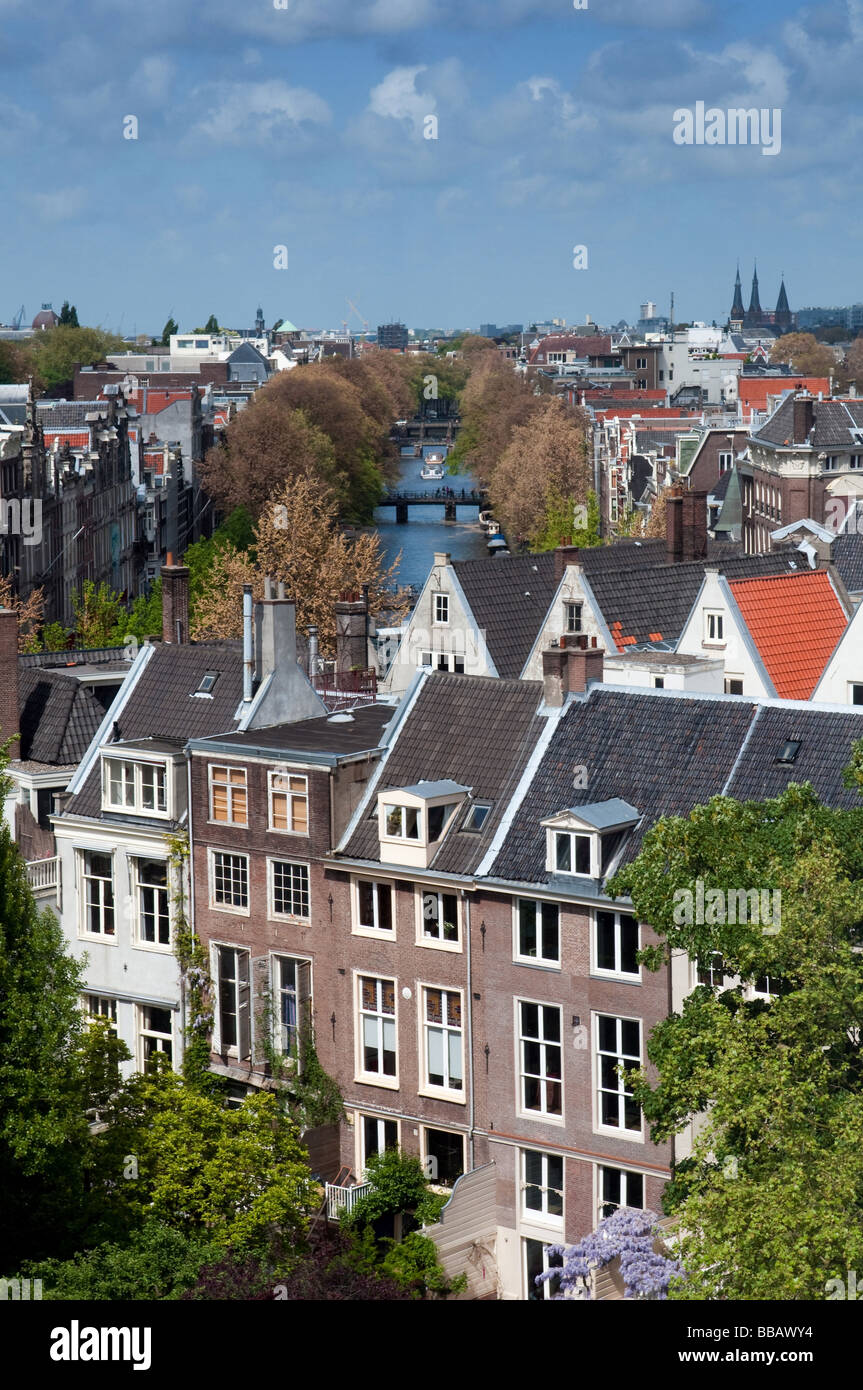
(320, 735)
(477, 732)
(795, 621)
(68, 415)
(834, 420)
(59, 718)
(826, 738)
(847, 556)
(645, 600)
(509, 598)
(163, 705)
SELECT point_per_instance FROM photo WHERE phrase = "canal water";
(426, 530)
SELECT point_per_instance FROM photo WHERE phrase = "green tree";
(171, 327)
(211, 326)
(69, 314)
(15, 363)
(770, 1204)
(58, 350)
(97, 613)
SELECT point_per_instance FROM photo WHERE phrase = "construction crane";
(364, 322)
(19, 318)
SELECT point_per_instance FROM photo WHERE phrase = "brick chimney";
(564, 555)
(674, 523)
(10, 711)
(694, 525)
(804, 417)
(351, 624)
(570, 669)
(175, 602)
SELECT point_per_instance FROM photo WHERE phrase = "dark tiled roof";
(662, 755)
(825, 738)
(163, 705)
(834, 421)
(476, 731)
(327, 734)
(847, 556)
(509, 598)
(59, 718)
(648, 599)
(65, 415)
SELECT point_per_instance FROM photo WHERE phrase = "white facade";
(441, 634)
(842, 681)
(715, 629)
(665, 672)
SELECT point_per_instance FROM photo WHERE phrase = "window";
(442, 661)
(374, 906)
(155, 1035)
(572, 852)
(97, 893)
(376, 1136)
(540, 1058)
(770, 986)
(442, 1049)
(402, 822)
(439, 916)
(640, 364)
(572, 617)
(725, 462)
(289, 889)
(856, 693)
(98, 1006)
(538, 1260)
(476, 817)
(289, 803)
(234, 1032)
(443, 1156)
(542, 1186)
(618, 1042)
(150, 880)
(710, 970)
(659, 682)
(713, 627)
(617, 944)
(230, 881)
(856, 461)
(619, 1188)
(208, 680)
(229, 802)
(441, 608)
(439, 818)
(734, 685)
(831, 463)
(129, 786)
(288, 977)
(377, 1026)
(537, 931)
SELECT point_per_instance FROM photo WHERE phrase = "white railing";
(43, 874)
(344, 1198)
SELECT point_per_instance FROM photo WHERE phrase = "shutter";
(262, 1007)
(244, 1021)
(304, 1008)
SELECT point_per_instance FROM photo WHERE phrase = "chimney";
(570, 669)
(275, 631)
(694, 525)
(313, 650)
(441, 558)
(564, 555)
(674, 524)
(804, 418)
(554, 676)
(175, 602)
(10, 712)
(351, 647)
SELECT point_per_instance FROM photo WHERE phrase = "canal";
(426, 530)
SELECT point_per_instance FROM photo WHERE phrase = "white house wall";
(845, 667)
(737, 652)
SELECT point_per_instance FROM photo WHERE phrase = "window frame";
(82, 877)
(542, 1217)
(717, 617)
(544, 1292)
(290, 795)
(543, 1114)
(142, 1033)
(362, 1153)
(425, 1128)
(361, 1076)
(624, 976)
(625, 1174)
(546, 962)
(593, 840)
(436, 943)
(573, 622)
(241, 979)
(599, 1090)
(140, 941)
(358, 928)
(272, 913)
(440, 604)
(136, 764)
(214, 851)
(231, 793)
(456, 1095)
(111, 1015)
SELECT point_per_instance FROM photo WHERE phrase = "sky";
(302, 124)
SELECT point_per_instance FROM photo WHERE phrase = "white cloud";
(397, 97)
(61, 205)
(256, 112)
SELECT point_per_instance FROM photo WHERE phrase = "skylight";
(789, 751)
(208, 680)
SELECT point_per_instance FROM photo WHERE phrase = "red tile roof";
(795, 621)
(754, 390)
(74, 438)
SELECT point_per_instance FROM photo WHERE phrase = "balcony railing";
(43, 875)
(344, 1198)
(342, 690)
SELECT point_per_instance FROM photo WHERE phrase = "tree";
(656, 522)
(544, 466)
(69, 314)
(806, 355)
(629, 1236)
(853, 367)
(494, 402)
(58, 350)
(30, 613)
(171, 328)
(211, 326)
(770, 1204)
(98, 612)
(264, 447)
(15, 364)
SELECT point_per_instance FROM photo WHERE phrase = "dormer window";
(412, 821)
(134, 786)
(584, 841)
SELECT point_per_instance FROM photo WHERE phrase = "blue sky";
(303, 126)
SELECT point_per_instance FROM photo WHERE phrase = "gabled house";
(841, 681)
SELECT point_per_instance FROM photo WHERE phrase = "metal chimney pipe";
(248, 659)
(313, 650)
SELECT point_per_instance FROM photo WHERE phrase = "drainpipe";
(469, 1014)
(183, 1004)
(247, 644)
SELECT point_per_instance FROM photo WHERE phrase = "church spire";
(737, 311)
(754, 314)
(783, 318)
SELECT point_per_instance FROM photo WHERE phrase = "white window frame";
(95, 1015)
(82, 877)
(852, 686)
(425, 1155)
(374, 932)
(542, 1217)
(617, 973)
(291, 796)
(427, 1087)
(726, 460)
(361, 1076)
(550, 962)
(593, 839)
(599, 1090)
(362, 1154)
(141, 1032)
(728, 681)
(136, 766)
(436, 943)
(231, 792)
(215, 906)
(276, 960)
(401, 837)
(573, 622)
(440, 606)
(216, 947)
(137, 890)
(543, 1291)
(626, 1174)
(272, 912)
(714, 618)
(544, 1114)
